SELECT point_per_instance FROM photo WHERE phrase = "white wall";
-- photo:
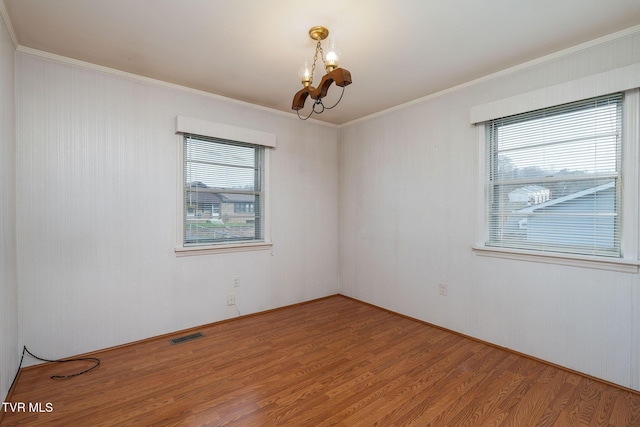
(97, 173)
(8, 267)
(408, 209)
(96, 218)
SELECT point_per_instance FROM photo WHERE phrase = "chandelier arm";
(337, 102)
(339, 76)
(304, 118)
(313, 108)
(301, 97)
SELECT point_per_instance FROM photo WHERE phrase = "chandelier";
(334, 74)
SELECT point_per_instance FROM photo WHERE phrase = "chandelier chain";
(315, 58)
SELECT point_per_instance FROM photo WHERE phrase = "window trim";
(187, 125)
(630, 184)
(222, 248)
(601, 263)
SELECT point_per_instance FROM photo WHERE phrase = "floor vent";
(185, 338)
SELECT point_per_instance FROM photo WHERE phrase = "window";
(219, 174)
(553, 179)
(243, 208)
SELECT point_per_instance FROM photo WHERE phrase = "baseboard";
(179, 332)
(195, 328)
(490, 344)
(154, 338)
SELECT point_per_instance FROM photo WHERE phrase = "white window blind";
(220, 175)
(554, 179)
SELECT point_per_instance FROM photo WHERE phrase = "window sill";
(223, 248)
(601, 263)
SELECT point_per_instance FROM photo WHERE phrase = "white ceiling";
(250, 50)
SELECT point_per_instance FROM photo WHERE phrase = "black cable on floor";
(55, 377)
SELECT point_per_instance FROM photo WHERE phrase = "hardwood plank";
(330, 362)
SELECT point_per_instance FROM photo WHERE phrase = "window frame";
(629, 187)
(207, 129)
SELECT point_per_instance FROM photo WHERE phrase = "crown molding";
(7, 23)
(517, 68)
(140, 78)
(507, 71)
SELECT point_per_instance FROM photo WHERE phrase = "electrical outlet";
(231, 299)
(443, 289)
(236, 281)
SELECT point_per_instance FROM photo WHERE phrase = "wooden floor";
(331, 362)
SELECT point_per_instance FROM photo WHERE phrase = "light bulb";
(331, 57)
(305, 74)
